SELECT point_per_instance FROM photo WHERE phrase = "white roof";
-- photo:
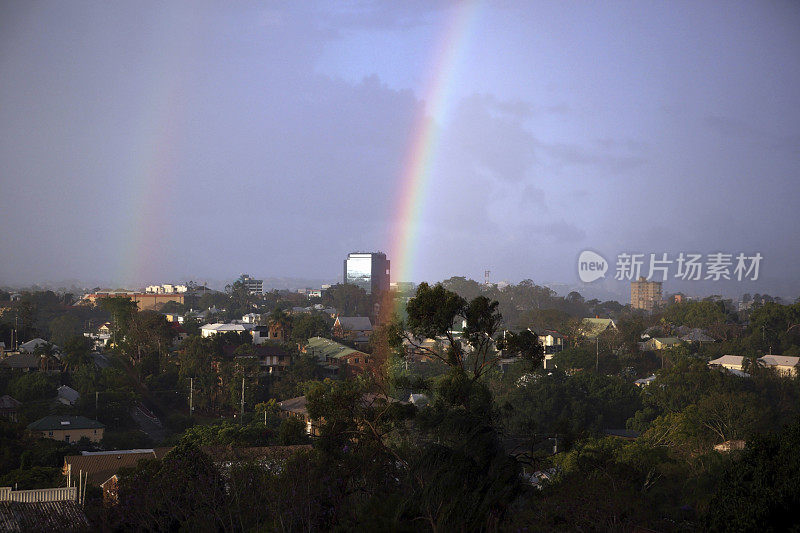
(227, 327)
(646, 380)
(31, 345)
(732, 360)
(780, 360)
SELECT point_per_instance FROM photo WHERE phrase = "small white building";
(784, 365)
(212, 329)
(251, 318)
(729, 362)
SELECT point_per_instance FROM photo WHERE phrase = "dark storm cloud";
(211, 139)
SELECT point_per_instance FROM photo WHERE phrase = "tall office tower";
(370, 271)
(645, 294)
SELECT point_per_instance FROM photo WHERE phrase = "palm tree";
(280, 323)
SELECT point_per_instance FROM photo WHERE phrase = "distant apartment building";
(253, 286)
(645, 294)
(166, 288)
(144, 300)
(370, 271)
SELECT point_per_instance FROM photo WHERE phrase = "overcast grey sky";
(144, 142)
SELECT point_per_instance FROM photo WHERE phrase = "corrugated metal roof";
(42, 516)
(327, 349)
(100, 467)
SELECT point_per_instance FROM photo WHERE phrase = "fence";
(39, 495)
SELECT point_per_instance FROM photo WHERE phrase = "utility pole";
(243, 399)
(191, 391)
(96, 394)
(597, 355)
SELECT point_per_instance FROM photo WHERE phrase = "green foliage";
(700, 314)
(433, 310)
(36, 477)
(230, 433)
(303, 368)
(33, 386)
(760, 491)
(348, 300)
(555, 403)
(524, 344)
(121, 309)
(185, 491)
(309, 325)
(62, 328)
(292, 431)
(126, 439)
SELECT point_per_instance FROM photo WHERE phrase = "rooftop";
(325, 349)
(59, 422)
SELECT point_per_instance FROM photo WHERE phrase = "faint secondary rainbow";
(424, 145)
(158, 139)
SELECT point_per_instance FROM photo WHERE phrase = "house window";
(356, 360)
(66, 438)
(49, 433)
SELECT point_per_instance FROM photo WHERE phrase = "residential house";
(67, 395)
(420, 400)
(251, 318)
(260, 334)
(784, 365)
(697, 335)
(101, 467)
(730, 445)
(729, 362)
(659, 343)
(591, 328)
(105, 329)
(175, 318)
(272, 357)
(180, 333)
(9, 407)
(224, 457)
(22, 361)
(68, 428)
(336, 358)
(32, 345)
(296, 408)
(356, 329)
(422, 350)
(212, 329)
(552, 341)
